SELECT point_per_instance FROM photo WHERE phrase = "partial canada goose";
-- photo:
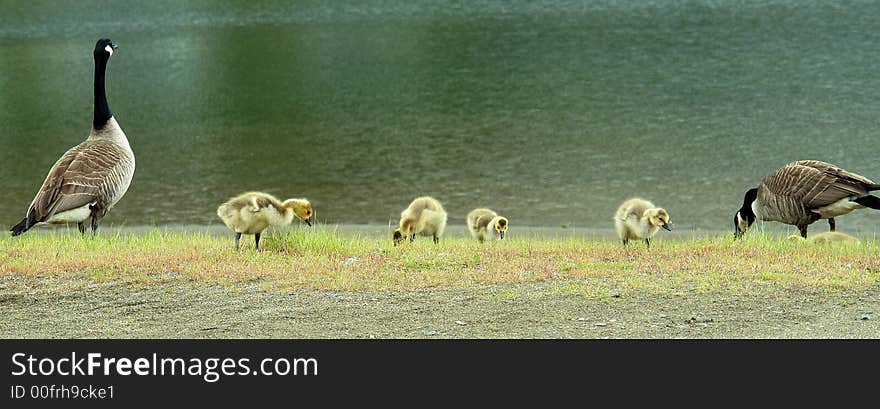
(802, 192)
(826, 237)
(424, 216)
(254, 212)
(486, 224)
(639, 219)
(90, 178)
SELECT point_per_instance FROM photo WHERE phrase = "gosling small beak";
(501, 234)
(667, 227)
(309, 221)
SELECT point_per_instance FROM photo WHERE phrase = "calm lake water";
(551, 112)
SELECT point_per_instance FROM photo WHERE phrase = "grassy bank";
(326, 259)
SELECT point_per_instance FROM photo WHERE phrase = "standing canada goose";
(485, 223)
(802, 192)
(254, 212)
(639, 219)
(88, 180)
(826, 237)
(424, 216)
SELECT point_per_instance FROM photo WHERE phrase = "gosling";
(639, 219)
(826, 237)
(254, 212)
(424, 216)
(486, 224)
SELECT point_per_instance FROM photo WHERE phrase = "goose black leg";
(831, 223)
(803, 230)
(237, 238)
(94, 225)
(82, 228)
(257, 241)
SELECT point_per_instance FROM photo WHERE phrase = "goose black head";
(745, 216)
(104, 49)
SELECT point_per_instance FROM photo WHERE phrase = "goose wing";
(78, 178)
(815, 184)
(836, 171)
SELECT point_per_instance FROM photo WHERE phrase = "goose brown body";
(802, 192)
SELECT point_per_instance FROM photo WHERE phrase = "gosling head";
(499, 225)
(302, 209)
(104, 49)
(397, 236)
(658, 217)
(745, 216)
(402, 232)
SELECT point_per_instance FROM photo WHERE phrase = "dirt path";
(177, 308)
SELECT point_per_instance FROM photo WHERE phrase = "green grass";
(325, 259)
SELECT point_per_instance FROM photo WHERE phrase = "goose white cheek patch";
(109, 49)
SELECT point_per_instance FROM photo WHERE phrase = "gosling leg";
(257, 241)
(237, 238)
(436, 240)
(648, 243)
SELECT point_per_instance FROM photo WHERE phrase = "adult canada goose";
(254, 212)
(424, 216)
(639, 219)
(802, 192)
(90, 178)
(486, 224)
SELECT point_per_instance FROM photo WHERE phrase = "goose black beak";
(667, 227)
(114, 46)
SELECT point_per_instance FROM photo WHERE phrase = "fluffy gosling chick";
(826, 237)
(486, 224)
(254, 212)
(424, 216)
(639, 219)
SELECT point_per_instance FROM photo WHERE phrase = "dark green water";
(551, 112)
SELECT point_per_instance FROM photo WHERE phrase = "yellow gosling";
(486, 224)
(254, 212)
(424, 216)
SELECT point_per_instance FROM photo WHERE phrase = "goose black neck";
(102, 108)
(746, 209)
